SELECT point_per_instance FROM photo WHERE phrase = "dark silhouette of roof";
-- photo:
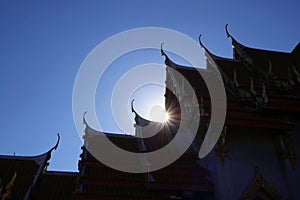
(55, 185)
(27, 171)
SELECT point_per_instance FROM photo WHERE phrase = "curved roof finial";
(200, 42)
(132, 109)
(83, 118)
(206, 50)
(162, 50)
(227, 32)
(56, 145)
(138, 119)
(53, 148)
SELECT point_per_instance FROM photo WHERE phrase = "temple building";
(254, 158)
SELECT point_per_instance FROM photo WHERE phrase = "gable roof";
(27, 170)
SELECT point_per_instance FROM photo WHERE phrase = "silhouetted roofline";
(61, 173)
(41, 160)
(209, 52)
(34, 157)
(91, 131)
(140, 121)
(172, 64)
(256, 48)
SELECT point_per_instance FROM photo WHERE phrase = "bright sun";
(167, 116)
(158, 114)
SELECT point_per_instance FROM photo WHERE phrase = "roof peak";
(209, 52)
(140, 121)
(35, 156)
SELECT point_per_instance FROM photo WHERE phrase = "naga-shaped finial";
(200, 42)
(83, 118)
(56, 145)
(132, 109)
(162, 50)
(227, 32)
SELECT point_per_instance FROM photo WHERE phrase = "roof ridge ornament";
(163, 53)
(162, 50)
(83, 118)
(227, 32)
(132, 109)
(56, 145)
(53, 148)
(139, 120)
(200, 42)
(213, 56)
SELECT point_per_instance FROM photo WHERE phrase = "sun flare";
(158, 114)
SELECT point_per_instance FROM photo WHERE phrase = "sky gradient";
(42, 45)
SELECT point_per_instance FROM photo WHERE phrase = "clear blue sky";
(42, 45)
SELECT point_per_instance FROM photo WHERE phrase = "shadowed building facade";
(254, 158)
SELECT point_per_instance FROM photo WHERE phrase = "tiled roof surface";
(56, 185)
(26, 169)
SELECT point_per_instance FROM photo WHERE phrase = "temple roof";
(23, 172)
(271, 64)
(191, 74)
(261, 87)
(56, 185)
(138, 119)
(246, 92)
(158, 137)
(102, 181)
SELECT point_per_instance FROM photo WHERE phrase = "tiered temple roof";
(98, 181)
(263, 95)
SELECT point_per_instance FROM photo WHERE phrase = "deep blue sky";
(42, 45)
